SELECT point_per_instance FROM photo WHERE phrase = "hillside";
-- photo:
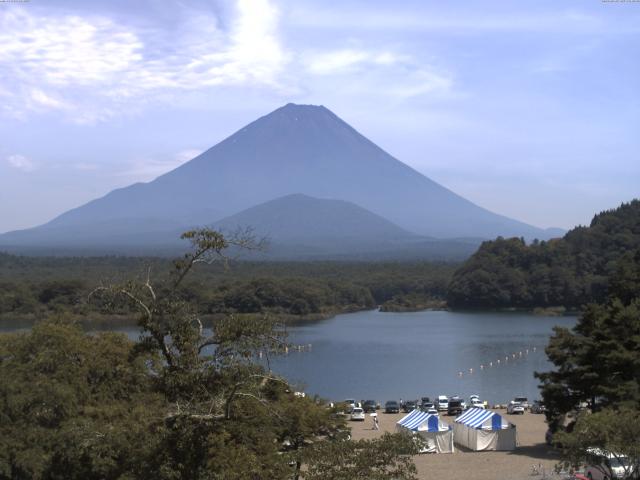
(295, 149)
(569, 272)
(301, 219)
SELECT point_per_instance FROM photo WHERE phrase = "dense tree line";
(36, 286)
(592, 396)
(569, 272)
(182, 403)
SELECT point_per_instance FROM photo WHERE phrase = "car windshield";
(520, 399)
(392, 403)
(618, 462)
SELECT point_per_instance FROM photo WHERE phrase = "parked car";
(426, 406)
(369, 406)
(522, 401)
(603, 465)
(392, 407)
(433, 411)
(454, 406)
(514, 408)
(350, 405)
(410, 406)
(442, 404)
(475, 402)
(358, 414)
(537, 407)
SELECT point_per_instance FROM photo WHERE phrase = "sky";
(530, 109)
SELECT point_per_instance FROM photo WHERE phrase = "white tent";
(438, 434)
(480, 429)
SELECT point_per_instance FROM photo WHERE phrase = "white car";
(514, 408)
(442, 403)
(433, 411)
(475, 402)
(350, 404)
(607, 465)
(358, 414)
(522, 401)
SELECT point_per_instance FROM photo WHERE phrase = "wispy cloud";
(464, 21)
(186, 155)
(380, 72)
(146, 169)
(20, 162)
(349, 59)
(93, 67)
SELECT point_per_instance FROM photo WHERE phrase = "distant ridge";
(299, 218)
(295, 149)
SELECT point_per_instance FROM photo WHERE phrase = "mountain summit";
(295, 149)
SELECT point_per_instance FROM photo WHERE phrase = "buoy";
(471, 370)
(506, 359)
(491, 364)
(459, 374)
(534, 349)
(498, 361)
(481, 367)
(286, 349)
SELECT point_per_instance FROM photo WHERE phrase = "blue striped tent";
(480, 429)
(437, 433)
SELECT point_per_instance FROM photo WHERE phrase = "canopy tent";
(437, 434)
(480, 429)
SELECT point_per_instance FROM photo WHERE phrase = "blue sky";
(530, 109)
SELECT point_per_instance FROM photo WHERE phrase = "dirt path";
(466, 465)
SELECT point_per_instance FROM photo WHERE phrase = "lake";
(383, 356)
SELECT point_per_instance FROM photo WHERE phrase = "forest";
(181, 403)
(33, 287)
(568, 272)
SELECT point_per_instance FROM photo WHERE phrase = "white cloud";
(186, 155)
(146, 169)
(94, 67)
(464, 21)
(40, 99)
(21, 162)
(380, 72)
(349, 59)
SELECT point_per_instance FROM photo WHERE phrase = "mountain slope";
(296, 148)
(299, 218)
(306, 228)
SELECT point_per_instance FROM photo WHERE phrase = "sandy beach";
(465, 464)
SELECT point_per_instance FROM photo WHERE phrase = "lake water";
(383, 356)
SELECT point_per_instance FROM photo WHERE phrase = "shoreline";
(463, 464)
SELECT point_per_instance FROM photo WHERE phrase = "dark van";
(455, 406)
